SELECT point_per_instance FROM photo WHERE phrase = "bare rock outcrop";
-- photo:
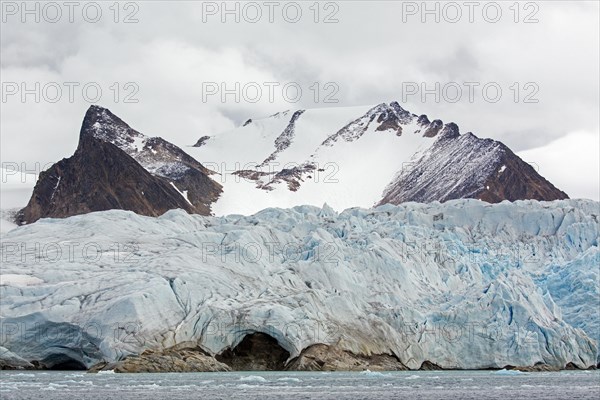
(174, 359)
(322, 357)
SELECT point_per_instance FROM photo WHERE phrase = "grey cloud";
(370, 54)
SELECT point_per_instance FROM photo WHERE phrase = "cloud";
(572, 163)
(370, 54)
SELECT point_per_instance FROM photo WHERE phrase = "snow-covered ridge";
(343, 156)
(463, 284)
(390, 117)
(361, 156)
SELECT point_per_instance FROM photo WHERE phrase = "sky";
(526, 75)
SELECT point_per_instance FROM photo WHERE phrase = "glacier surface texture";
(463, 284)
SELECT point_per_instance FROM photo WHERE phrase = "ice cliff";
(464, 284)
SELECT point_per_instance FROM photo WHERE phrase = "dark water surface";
(63, 385)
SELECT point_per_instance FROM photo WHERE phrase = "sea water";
(503, 385)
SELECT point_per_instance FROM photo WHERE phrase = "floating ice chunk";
(252, 378)
(504, 371)
(289, 379)
(372, 373)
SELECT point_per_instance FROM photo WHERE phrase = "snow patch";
(182, 193)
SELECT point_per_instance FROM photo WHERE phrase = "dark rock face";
(157, 156)
(321, 357)
(99, 177)
(423, 120)
(292, 176)
(433, 128)
(539, 367)
(404, 116)
(256, 352)
(389, 121)
(518, 180)
(202, 141)
(108, 171)
(465, 166)
(429, 366)
(174, 359)
(393, 117)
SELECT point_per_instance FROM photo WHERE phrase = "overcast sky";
(369, 52)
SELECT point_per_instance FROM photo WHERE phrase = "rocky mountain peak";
(423, 120)
(450, 131)
(404, 116)
(117, 167)
(102, 124)
(433, 128)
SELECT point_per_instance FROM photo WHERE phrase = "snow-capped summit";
(362, 156)
(346, 157)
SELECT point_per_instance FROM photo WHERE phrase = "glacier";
(464, 284)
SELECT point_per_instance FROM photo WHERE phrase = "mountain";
(463, 284)
(488, 170)
(361, 156)
(346, 157)
(116, 167)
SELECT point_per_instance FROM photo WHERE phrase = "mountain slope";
(99, 177)
(115, 167)
(464, 166)
(157, 156)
